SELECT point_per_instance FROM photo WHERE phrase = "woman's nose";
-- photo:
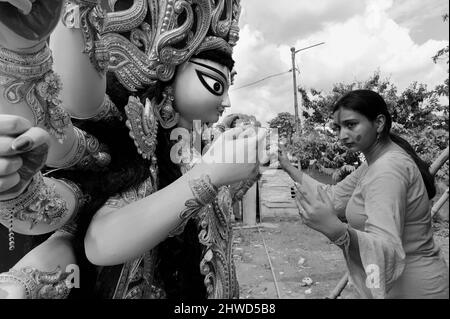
(343, 136)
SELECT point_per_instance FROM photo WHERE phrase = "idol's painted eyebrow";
(211, 68)
(201, 76)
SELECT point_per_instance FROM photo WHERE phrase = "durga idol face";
(201, 91)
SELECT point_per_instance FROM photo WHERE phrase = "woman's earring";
(165, 112)
(378, 137)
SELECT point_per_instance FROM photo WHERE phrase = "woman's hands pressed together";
(318, 211)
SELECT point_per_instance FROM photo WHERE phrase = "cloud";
(422, 17)
(413, 12)
(256, 58)
(287, 20)
(365, 42)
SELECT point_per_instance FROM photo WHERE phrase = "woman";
(388, 242)
(158, 225)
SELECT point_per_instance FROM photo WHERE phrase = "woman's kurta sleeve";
(341, 192)
(380, 244)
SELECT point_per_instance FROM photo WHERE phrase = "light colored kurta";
(387, 206)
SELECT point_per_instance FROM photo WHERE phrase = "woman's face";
(201, 91)
(355, 130)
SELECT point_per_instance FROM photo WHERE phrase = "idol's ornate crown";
(144, 41)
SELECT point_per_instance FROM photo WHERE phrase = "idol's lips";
(35, 26)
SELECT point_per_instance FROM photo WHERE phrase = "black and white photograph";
(224, 155)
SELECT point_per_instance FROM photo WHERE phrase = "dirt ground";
(298, 256)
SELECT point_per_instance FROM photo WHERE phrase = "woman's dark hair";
(371, 104)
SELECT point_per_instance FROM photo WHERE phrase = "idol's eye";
(211, 83)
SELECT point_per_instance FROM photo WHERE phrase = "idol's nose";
(226, 101)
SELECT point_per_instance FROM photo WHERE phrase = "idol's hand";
(235, 156)
(12, 291)
(26, 24)
(318, 212)
(23, 152)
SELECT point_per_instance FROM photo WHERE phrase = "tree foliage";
(442, 89)
(285, 123)
(417, 115)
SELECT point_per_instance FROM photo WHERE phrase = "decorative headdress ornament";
(143, 41)
(146, 42)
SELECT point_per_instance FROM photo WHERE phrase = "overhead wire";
(261, 80)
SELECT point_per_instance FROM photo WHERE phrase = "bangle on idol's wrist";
(71, 226)
(202, 188)
(204, 194)
(88, 16)
(108, 112)
(29, 78)
(38, 204)
(87, 153)
(24, 66)
(22, 278)
(38, 284)
(10, 208)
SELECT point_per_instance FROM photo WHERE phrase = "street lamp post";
(294, 75)
(298, 124)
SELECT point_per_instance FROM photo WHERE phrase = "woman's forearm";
(126, 233)
(301, 178)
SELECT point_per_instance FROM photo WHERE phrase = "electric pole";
(298, 125)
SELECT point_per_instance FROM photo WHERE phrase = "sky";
(398, 38)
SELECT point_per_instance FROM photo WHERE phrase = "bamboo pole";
(438, 205)
(339, 287)
(436, 166)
